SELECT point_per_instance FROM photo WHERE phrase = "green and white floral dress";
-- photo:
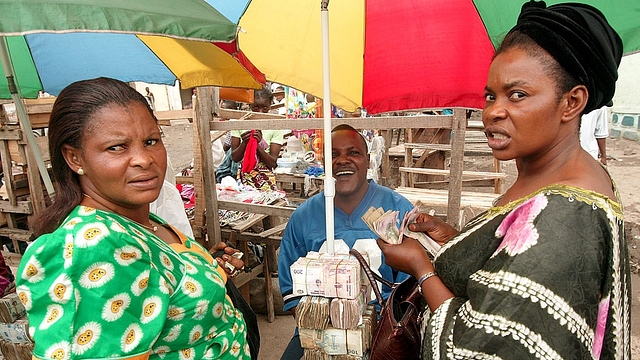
(102, 286)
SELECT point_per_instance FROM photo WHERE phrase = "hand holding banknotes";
(436, 228)
(414, 225)
(404, 247)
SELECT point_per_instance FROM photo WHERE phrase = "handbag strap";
(373, 277)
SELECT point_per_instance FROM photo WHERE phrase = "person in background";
(594, 130)
(233, 105)
(269, 143)
(150, 98)
(279, 99)
(354, 195)
(544, 273)
(169, 204)
(105, 278)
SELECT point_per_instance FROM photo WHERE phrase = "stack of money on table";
(326, 275)
(333, 316)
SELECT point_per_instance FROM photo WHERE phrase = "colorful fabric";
(102, 286)
(546, 276)
(306, 232)
(260, 176)
(270, 136)
(249, 160)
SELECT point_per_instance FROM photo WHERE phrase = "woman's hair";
(70, 119)
(563, 79)
(580, 39)
(264, 93)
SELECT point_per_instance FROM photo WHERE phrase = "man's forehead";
(355, 138)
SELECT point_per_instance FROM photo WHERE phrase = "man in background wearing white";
(594, 130)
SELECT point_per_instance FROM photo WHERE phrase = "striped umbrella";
(54, 43)
(47, 44)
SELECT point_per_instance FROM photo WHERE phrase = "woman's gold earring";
(80, 172)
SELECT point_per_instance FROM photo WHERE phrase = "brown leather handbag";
(397, 335)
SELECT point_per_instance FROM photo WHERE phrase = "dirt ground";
(623, 163)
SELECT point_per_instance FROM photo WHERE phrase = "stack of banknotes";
(347, 313)
(340, 342)
(319, 354)
(333, 315)
(312, 312)
(327, 275)
(385, 225)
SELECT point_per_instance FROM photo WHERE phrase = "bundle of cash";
(385, 225)
(347, 313)
(312, 312)
(370, 322)
(327, 275)
(315, 354)
(334, 341)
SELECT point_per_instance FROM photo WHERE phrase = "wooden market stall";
(206, 224)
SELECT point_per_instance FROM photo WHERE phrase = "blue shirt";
(306, 231)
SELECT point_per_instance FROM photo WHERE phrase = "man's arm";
(602, 146)
(290, 251)
(601, 133)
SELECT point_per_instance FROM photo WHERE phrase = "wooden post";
(203, 116)
(268, 286)
(386, 163)
(408, 162)
(199, 221)
(36, 190)
(498, 182)
(458, 129)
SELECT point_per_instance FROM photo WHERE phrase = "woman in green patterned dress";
(106, 278)
(544, 273)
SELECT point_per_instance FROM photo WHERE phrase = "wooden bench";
(469, 178)
(471, 203)
(472, 147)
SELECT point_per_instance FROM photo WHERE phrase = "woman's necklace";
(150, 227)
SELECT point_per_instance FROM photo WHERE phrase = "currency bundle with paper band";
(328, 276)
(312, 312)
(384, 224)
(12, 351)
(334, 341)
(16, 332)
(315, 354)
(318, 354)
(347, 313)
(11, 308)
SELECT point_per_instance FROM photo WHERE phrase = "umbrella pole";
(329, 184)
(23, 117)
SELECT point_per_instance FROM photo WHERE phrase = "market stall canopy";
(192, 20)
(54, 43)
(391, 55)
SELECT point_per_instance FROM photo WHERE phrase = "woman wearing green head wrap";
(544, 273)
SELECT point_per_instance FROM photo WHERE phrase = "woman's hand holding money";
(434, 227)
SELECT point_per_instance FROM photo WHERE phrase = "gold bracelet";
(425, 277)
